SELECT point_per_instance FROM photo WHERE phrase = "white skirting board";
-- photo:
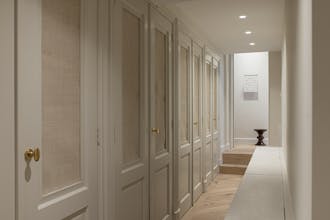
(248, 141)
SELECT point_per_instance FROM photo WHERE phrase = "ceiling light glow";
(242, 17)
(252, 44)
(248, 32)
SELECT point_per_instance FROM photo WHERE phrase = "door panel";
(160, 117)
(61, 107)
(208, 119)
(185, 124)
(56, 109)
(129, 93)
(197, 122)
(215, 120)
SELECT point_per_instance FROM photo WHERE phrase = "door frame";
(7, 110)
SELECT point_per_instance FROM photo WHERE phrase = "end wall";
(250, 114)
(275, 124)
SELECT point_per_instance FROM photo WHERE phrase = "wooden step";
(232, 169)
(236, 158)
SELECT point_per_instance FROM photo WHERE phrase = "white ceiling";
(218, 20)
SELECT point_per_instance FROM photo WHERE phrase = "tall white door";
(215, 116)
(185, 123)
(129, 105)
(160, 117)
(197, 121)
(207, 111)
(57, 109)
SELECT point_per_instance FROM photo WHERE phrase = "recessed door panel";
(131, 98)
(160, 117)
(57, 109)
(184, 76)
(61, 94)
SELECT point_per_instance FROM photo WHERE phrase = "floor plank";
(214, 204)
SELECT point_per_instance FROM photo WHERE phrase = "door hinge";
(98, 137)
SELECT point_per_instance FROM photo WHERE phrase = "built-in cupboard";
(197, 106)
(162, 128)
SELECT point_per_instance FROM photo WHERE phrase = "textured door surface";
(207, 111)
(57, 109)
(160, 117)
(185, 124)
(197, 121)
(129, 103)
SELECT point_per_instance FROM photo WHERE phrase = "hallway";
(149, 109)
(214, 204)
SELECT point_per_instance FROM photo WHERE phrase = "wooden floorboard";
(214, 204)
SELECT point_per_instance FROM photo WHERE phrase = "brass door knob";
(32, 153)
(155, 130)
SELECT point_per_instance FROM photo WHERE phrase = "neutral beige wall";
(7, 181)
(321, 110)
(275, 124)
(298, 150)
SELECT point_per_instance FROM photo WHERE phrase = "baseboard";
(247, 141)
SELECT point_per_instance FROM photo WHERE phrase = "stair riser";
(240, 159)
(232, 170)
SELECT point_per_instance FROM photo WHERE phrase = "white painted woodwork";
(57, 109)
(184, 123)
(128, 101)
(7, 111)
(160, 116)
(261, 192)
(197, 63)
(215, 115)
(207, 112)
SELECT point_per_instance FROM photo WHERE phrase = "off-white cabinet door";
(215, 116)
(207, 111)
(129, 105)
(185, 123)
(57, 109)
(197, 121)
(160, 117)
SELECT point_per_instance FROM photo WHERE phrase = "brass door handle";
(155, 130)
(32, 153)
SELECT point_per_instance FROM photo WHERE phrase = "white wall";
(250, 114)
(321, 110)
(297, 108)
(7, 112)
(275, 123)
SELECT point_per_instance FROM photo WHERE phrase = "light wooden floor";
(214, 204)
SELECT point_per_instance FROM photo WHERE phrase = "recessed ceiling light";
(248, 32)
(242, 17)
(252, 44)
